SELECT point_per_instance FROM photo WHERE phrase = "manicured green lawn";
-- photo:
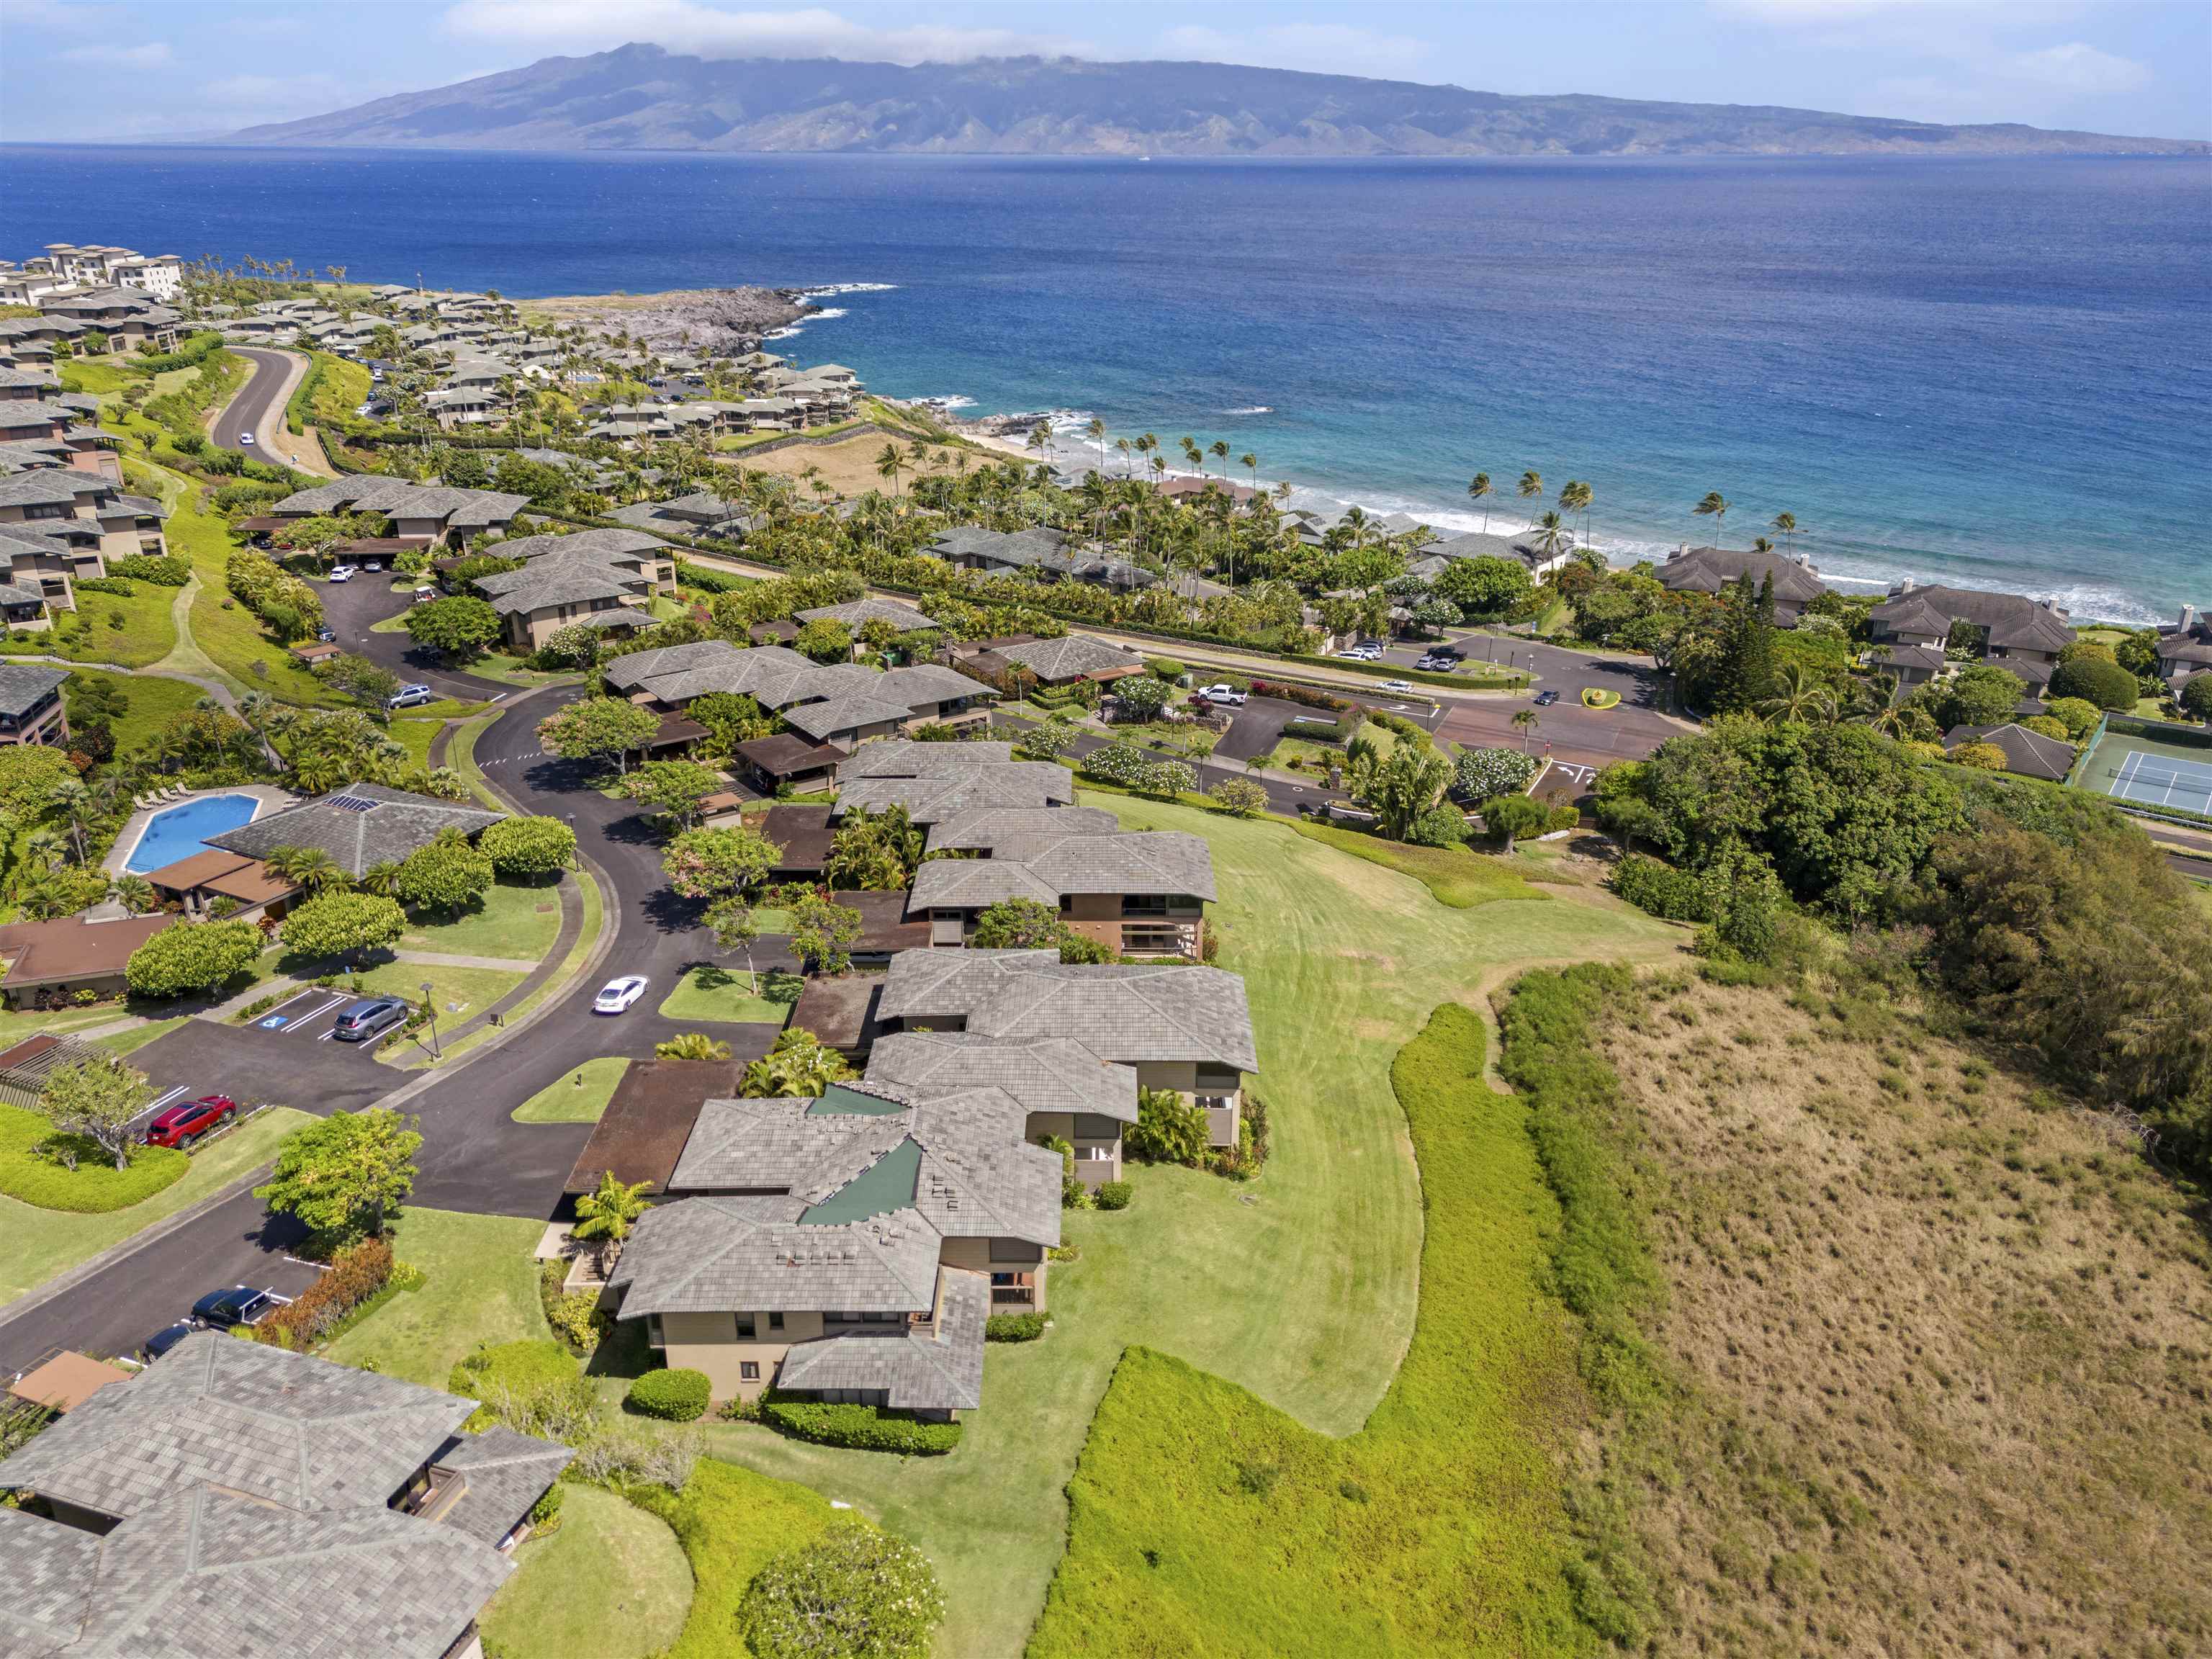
(1458, 878)
(714, 993)
(731, 1524)
(148, 634)
(36, 1244)
(482, 1285)
(566, 1100)
(1299, 1287)
(515, 920)
(18, 1023)
(415, 736)
(474, 988)
(94, 1187)
(594, 915)
(1206, 1521)
(613, 1582)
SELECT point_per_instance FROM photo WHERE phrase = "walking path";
(445, 959)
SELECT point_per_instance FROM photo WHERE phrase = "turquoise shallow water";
(1987, 372)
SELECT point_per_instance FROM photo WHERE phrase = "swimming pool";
(178, 832)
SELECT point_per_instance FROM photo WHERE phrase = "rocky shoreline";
(714, 321)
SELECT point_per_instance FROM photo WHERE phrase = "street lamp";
(431, 1002)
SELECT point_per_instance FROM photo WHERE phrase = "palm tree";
(797, 1064)
(1250, 463)
(1531, 485)
(1478, 489)
(1785, 524)
(691, 1045)
(1715, 506)
(1575, 497)
(607, 1214)
(891, 462)
(1761, 544)
(1123, 445)
(1097, 433)
(1551, 530)
(1194, 455)
(1219, 450)
(1526, 721)
(380, 880)
(1798, 696)
(308, 868)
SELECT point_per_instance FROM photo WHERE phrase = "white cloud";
(1324, 48)
(147, 55)
(682, 26)
(2076, 68)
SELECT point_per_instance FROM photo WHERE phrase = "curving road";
(258, 408)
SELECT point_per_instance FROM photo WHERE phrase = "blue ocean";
(1990, 372)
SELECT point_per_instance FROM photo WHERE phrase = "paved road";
(475, 1157)
(349, 608)
(258, 408)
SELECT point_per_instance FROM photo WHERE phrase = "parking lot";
(293, 1063)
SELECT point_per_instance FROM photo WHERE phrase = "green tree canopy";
(821, 930)
(342, 925)
(855, 1591)
(445, 874)
(192, 956)
(344, 1175)
(2095, 680)
(673, 788)
(1983, 694)
(529, 846)
(1485, 586)
(458, 627)
(716, 864)
(2197, 695)
(798, 1063)
(874, 851)
(97, 1098)
(598, 728)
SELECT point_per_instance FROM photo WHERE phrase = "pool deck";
(269, 797)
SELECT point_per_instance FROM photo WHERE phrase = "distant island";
(643, 98)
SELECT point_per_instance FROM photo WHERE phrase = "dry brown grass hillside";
(1947, 1345)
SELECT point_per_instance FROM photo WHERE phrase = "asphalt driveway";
(349, 608)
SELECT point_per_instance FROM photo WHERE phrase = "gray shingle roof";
(1128, 1013)
(1043, 1074)
(581, 580)
(284, 1427)
(1066, 659)
(845, 713)
(506, 1473)
(1012, 784)
(903, 757)
(1044, 866)
(23, 683)
(988, 828)
(1710, 569)
(597, 539)
(1021, 547)
(2029, 753)
(717, 1254)
(396, 498)
(394, 825)
(210, 1574)
(940, 1371)
(2012, 621)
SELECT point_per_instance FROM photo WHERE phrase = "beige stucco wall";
(708, 1343)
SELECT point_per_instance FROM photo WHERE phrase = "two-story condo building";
(2023, 634)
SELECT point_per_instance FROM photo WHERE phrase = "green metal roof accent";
(887, 1184)
(838, 1101)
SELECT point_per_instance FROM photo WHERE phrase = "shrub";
(358, 1275)
(861, 1428)
(854, 1591)
(544, 1516)
(676, 1396)
(1485, 774)
(162, 569)
(189, 955)
(1013, 1328)
(2094, 680)
(1440, 826)
(1116, 1194)
(1240, 797)
(529, 846)
(1982, 756)
(1168, 1129)
(1165, 668)
(1659, 889)
(627, 1459)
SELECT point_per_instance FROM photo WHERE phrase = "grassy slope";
(1299, 1287)
(150, 703)
(1204, 1521)
(732, 1522)
(1937, 1346)
(36, 1244)
(482, 1286)
(148, 634)
(232, 638)
(613, 1583)
(507, 924)
(1459, 877)
(565, 1100)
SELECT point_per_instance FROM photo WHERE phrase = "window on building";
(748, 1371)
(744, 1328)
(776, 1322)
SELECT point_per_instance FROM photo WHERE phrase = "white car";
(1223, 694)
(344, 573)
(246, 437)
(619, 993)
(1396, 685)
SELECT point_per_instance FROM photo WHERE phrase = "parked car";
(166, 1339)
(344, 573)
(242, 1304)
(185, 1127)
(367, 1018)
(618, 993)
(1225, 695)
(1546, 699)
(1396, 685)
(411, 695)
(327, 635)
(423, 595)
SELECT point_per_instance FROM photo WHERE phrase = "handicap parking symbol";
(274, 1023)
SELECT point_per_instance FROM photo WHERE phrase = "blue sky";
(120, 70)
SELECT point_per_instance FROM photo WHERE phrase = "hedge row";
(863, 1428)
(358, 1273)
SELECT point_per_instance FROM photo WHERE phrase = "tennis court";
(2150, 772)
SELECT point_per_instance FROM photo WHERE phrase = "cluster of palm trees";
(1715, 506)
(1549, 528)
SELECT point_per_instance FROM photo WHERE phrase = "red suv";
(186, 1126)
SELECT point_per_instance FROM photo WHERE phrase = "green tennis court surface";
(2149, 772)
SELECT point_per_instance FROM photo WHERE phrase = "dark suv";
(242, 1304)
(186, 1126)
(366, 1018)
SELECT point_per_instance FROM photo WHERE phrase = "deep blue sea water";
(1989, 372)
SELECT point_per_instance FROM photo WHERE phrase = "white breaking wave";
(1257, 408)
(831, 290)
(948, 403)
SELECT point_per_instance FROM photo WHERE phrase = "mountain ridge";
(643, 98)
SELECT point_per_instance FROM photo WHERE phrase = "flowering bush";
(356, 1275)
(1486, 774)
(855, 1591)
